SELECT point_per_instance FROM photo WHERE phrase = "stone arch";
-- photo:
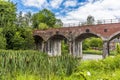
(54, 44)
(38, 36)
(58, 36)
(113, 36)
(38, 42)
(77, 42)
(83, 36)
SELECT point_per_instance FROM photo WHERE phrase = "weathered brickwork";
(104, 31)
(74, 35)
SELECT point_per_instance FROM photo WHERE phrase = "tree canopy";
(7, 13)
(90, 20)
(12, 35)
(92, 43)
(44, 16)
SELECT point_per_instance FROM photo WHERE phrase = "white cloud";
(70, 3)
(42, 3)
(101, 9)
(35, 3)
(56, 3)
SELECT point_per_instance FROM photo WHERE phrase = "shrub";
(118, 48)
(43, 26)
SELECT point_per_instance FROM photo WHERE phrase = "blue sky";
(71, 11)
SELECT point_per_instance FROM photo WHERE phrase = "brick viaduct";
(50, 40)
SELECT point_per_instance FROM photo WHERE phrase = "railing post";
(79, 24)
(111, 20)
(69, 24)
(119, 20)
(104, 22)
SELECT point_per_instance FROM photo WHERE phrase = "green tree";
(18, 37)
(28, 19)
(7, 13)
(28, 37)
(86, 44)
(20, 20)
(18, 41)
(16, 33)
(58, 23)
(92, 43)
(118, 48)
(96, 43)
(43, 26)
(9, 32)
(2, 40)
(24, 20)
(64, 48)
(44, 16)
(23, 39)
(90, 20)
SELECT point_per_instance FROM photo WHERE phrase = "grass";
(15, 63)
(97, 52)
(34, 65)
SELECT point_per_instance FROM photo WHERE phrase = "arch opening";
(57, 45)
(113, 41)
(60, 37)
(116, 35)
(38, 42)
(88, 44)
(85, 36)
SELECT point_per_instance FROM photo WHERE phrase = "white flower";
(88, 73)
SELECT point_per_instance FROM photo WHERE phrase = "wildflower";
(88, 73)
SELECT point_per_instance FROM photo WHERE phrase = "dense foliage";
(118, 48)
(92, 43)
(44, 16)
(7, 13)
(18, 38)
(47, 18)
(14, 63)
(15, 32)
(33, 65)
(64, 48)
(2, 40)
(24, 20)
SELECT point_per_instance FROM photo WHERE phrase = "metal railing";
(96, 22)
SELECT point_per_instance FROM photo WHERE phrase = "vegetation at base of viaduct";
(34, 65)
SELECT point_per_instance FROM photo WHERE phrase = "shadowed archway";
(115, 35)
(77, 49)
(39, 43)
(115, 38)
